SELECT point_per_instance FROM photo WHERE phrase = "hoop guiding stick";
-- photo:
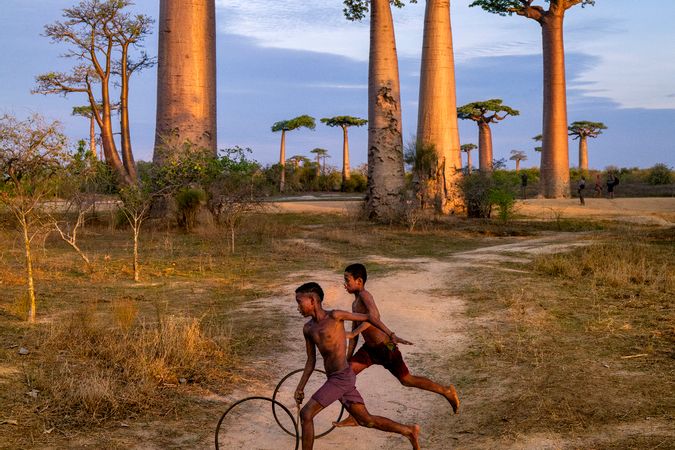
(274, 403)
(274, 412)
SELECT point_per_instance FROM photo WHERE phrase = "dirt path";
(413, 304)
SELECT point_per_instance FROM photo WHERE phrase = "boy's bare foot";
(414, 437)
(451, 395)
(348, 422)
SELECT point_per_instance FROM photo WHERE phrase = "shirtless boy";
(326, 331)
(380, 348)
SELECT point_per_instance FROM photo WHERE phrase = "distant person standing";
(523, 185)
(598, 186)
(580, 190)
(612, 181)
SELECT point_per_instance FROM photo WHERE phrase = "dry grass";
(583, 343)
(87, 370)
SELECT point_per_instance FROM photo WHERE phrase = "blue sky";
(280, 59)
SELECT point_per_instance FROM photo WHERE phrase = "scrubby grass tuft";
(90, 371)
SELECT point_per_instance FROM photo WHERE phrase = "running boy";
(380, 348)
(326, 331)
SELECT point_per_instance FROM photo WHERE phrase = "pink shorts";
(339, 386)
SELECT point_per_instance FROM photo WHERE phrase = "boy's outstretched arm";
(309, 367)
(375, 321)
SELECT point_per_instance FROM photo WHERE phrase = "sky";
(281, 59)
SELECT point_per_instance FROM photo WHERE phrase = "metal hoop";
(274, 397)
(274, 402)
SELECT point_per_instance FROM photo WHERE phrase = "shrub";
(476, 190)
(357, 182)
(660, 174)
(188, 201)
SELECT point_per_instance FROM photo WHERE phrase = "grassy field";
(107, 350)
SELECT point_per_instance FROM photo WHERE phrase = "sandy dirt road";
(412, 304)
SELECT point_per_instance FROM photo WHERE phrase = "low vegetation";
(581, 342)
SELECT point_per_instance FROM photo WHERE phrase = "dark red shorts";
(386, 355)
(339, 386)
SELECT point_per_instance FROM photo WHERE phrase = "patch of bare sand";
(648, 211)
(658, 211)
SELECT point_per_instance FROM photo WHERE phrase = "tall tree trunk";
(125, 133)
(386, 176)
(555, 176)
(112, 157)
(92, 136)
(468, 161)
(517, 165)
(583, 154)
(484, 147)
(186, 75)
(437, 114)
(29, 270)
(345, 157)
(282, 162)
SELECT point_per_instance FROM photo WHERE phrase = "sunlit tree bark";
(437, 114)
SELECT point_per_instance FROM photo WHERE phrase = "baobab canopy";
(357, 9)
(292, 124)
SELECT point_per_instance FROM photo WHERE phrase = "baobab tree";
(582, 130)
(101, 35)
(467, 148)
(303, 121)
(186, 77)
(437, 115)
(86, 111)
(518, 156)
(321, 153)
(386, 175)
(538, 138)
(555, 175)
(484, 113)
(344, 122)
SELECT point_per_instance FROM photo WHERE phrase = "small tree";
(233, 190)
(467, 148)
(32, 154)
(344, 122)
(303, 121)
(484, 113)
(518, 156)
(660, 174)
(136, 203)
(101, 35)
(583, 130)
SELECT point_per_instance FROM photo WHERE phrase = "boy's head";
(307, 295)
(355, 277)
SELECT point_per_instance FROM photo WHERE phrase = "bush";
(188, 201)
(357, 182)
(476, 190)
(660, 174)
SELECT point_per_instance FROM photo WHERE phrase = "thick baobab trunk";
(437, 114)
(282, 162)
(29, 271)
(186, 75)
(484, 147)
(386, 176)
(583, 154)
(555, 176)
(345, 157)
